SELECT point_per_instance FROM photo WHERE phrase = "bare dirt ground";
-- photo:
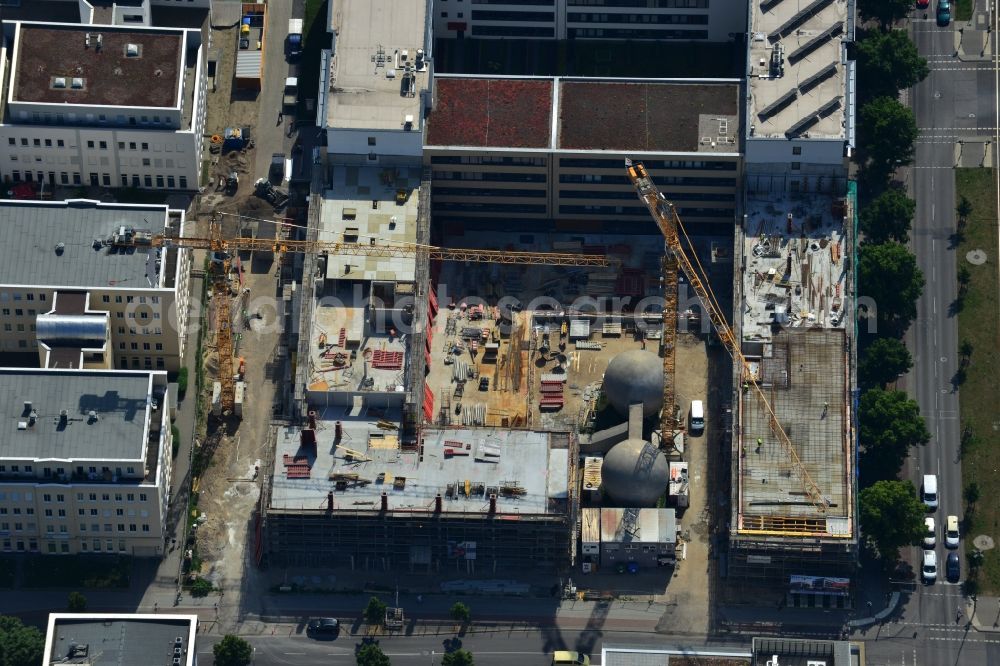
(228, 489)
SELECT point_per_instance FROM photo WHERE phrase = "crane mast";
(665, 214)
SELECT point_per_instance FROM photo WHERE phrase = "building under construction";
(345, 492)
(793, 508)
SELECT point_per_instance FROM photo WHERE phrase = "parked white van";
(697, 416)
(930, 491)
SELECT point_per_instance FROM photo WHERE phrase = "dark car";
(953, 567)
(323, 626)
(944, 12)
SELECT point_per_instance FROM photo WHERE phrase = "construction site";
(793, 511)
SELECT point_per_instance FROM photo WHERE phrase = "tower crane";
(127, 237)
(665, 214)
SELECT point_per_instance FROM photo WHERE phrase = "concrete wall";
(351, 146)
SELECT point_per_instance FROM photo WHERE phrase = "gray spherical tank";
(635, 473)
(635, 376)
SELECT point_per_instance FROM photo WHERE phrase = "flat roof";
(347, 213)
(804, 374)
(649, 116)
(647, 525)
(351, 364)
(110, 76)
(796, 77)
(686, 655)
(120, 639)
(511, 113)
(30, 231)
(527, 470)
(368, 71)
(120, 400)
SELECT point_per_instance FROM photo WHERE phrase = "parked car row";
(929, 564)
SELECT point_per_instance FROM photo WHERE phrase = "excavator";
(223, 249)
(664, 212)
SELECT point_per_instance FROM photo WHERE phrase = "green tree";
(76, 603)
(460, 612)
(886, 12)
(457, 658)
(971, 495)
(887, 63)
(889, 424)
(371, 654)
(232, 651)
(891, 516)
(888, 217)
(201, 587)
(883, 361)
(20, 645)
(375, 611)
(888, 131)
(888, 274)
(963, 210)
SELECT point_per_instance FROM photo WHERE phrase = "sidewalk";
(974, 39)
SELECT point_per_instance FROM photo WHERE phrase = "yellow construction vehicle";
(665, 214)
(223, 248)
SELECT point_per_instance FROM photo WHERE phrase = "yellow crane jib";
(665, 214)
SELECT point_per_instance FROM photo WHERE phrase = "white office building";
(85, 461)
(101, 105)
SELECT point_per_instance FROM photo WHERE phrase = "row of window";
(489, 192)
(119, 120)
(147, 363)
(19, 296)
(8, 328)
(537, 17)
(598, 163)
(726, 213)
(48, 472)
(634, 33)
(649, 4)
(19, 312)
(101, 145)
(106, 298)
(512, 31)
(103, 179)
(491, 176)
(496, 159)
(95, 527)
(447, 206)
(52, 548)
(691, 181)
(627, 195)
(592, 17)
(156, 330)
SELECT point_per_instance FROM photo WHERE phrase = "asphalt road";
(526, 648)
(956, 101)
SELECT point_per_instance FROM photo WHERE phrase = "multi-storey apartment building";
(85, 461)
(551, 151)
(62, 283)
(684, 20)
(101, 105)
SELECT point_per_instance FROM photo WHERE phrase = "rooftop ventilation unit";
(28, 406)
(100, 41)
(59, 82)
(92, 416)
(86, 41)
(816, 42)
(77, 83)
(131, 50)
